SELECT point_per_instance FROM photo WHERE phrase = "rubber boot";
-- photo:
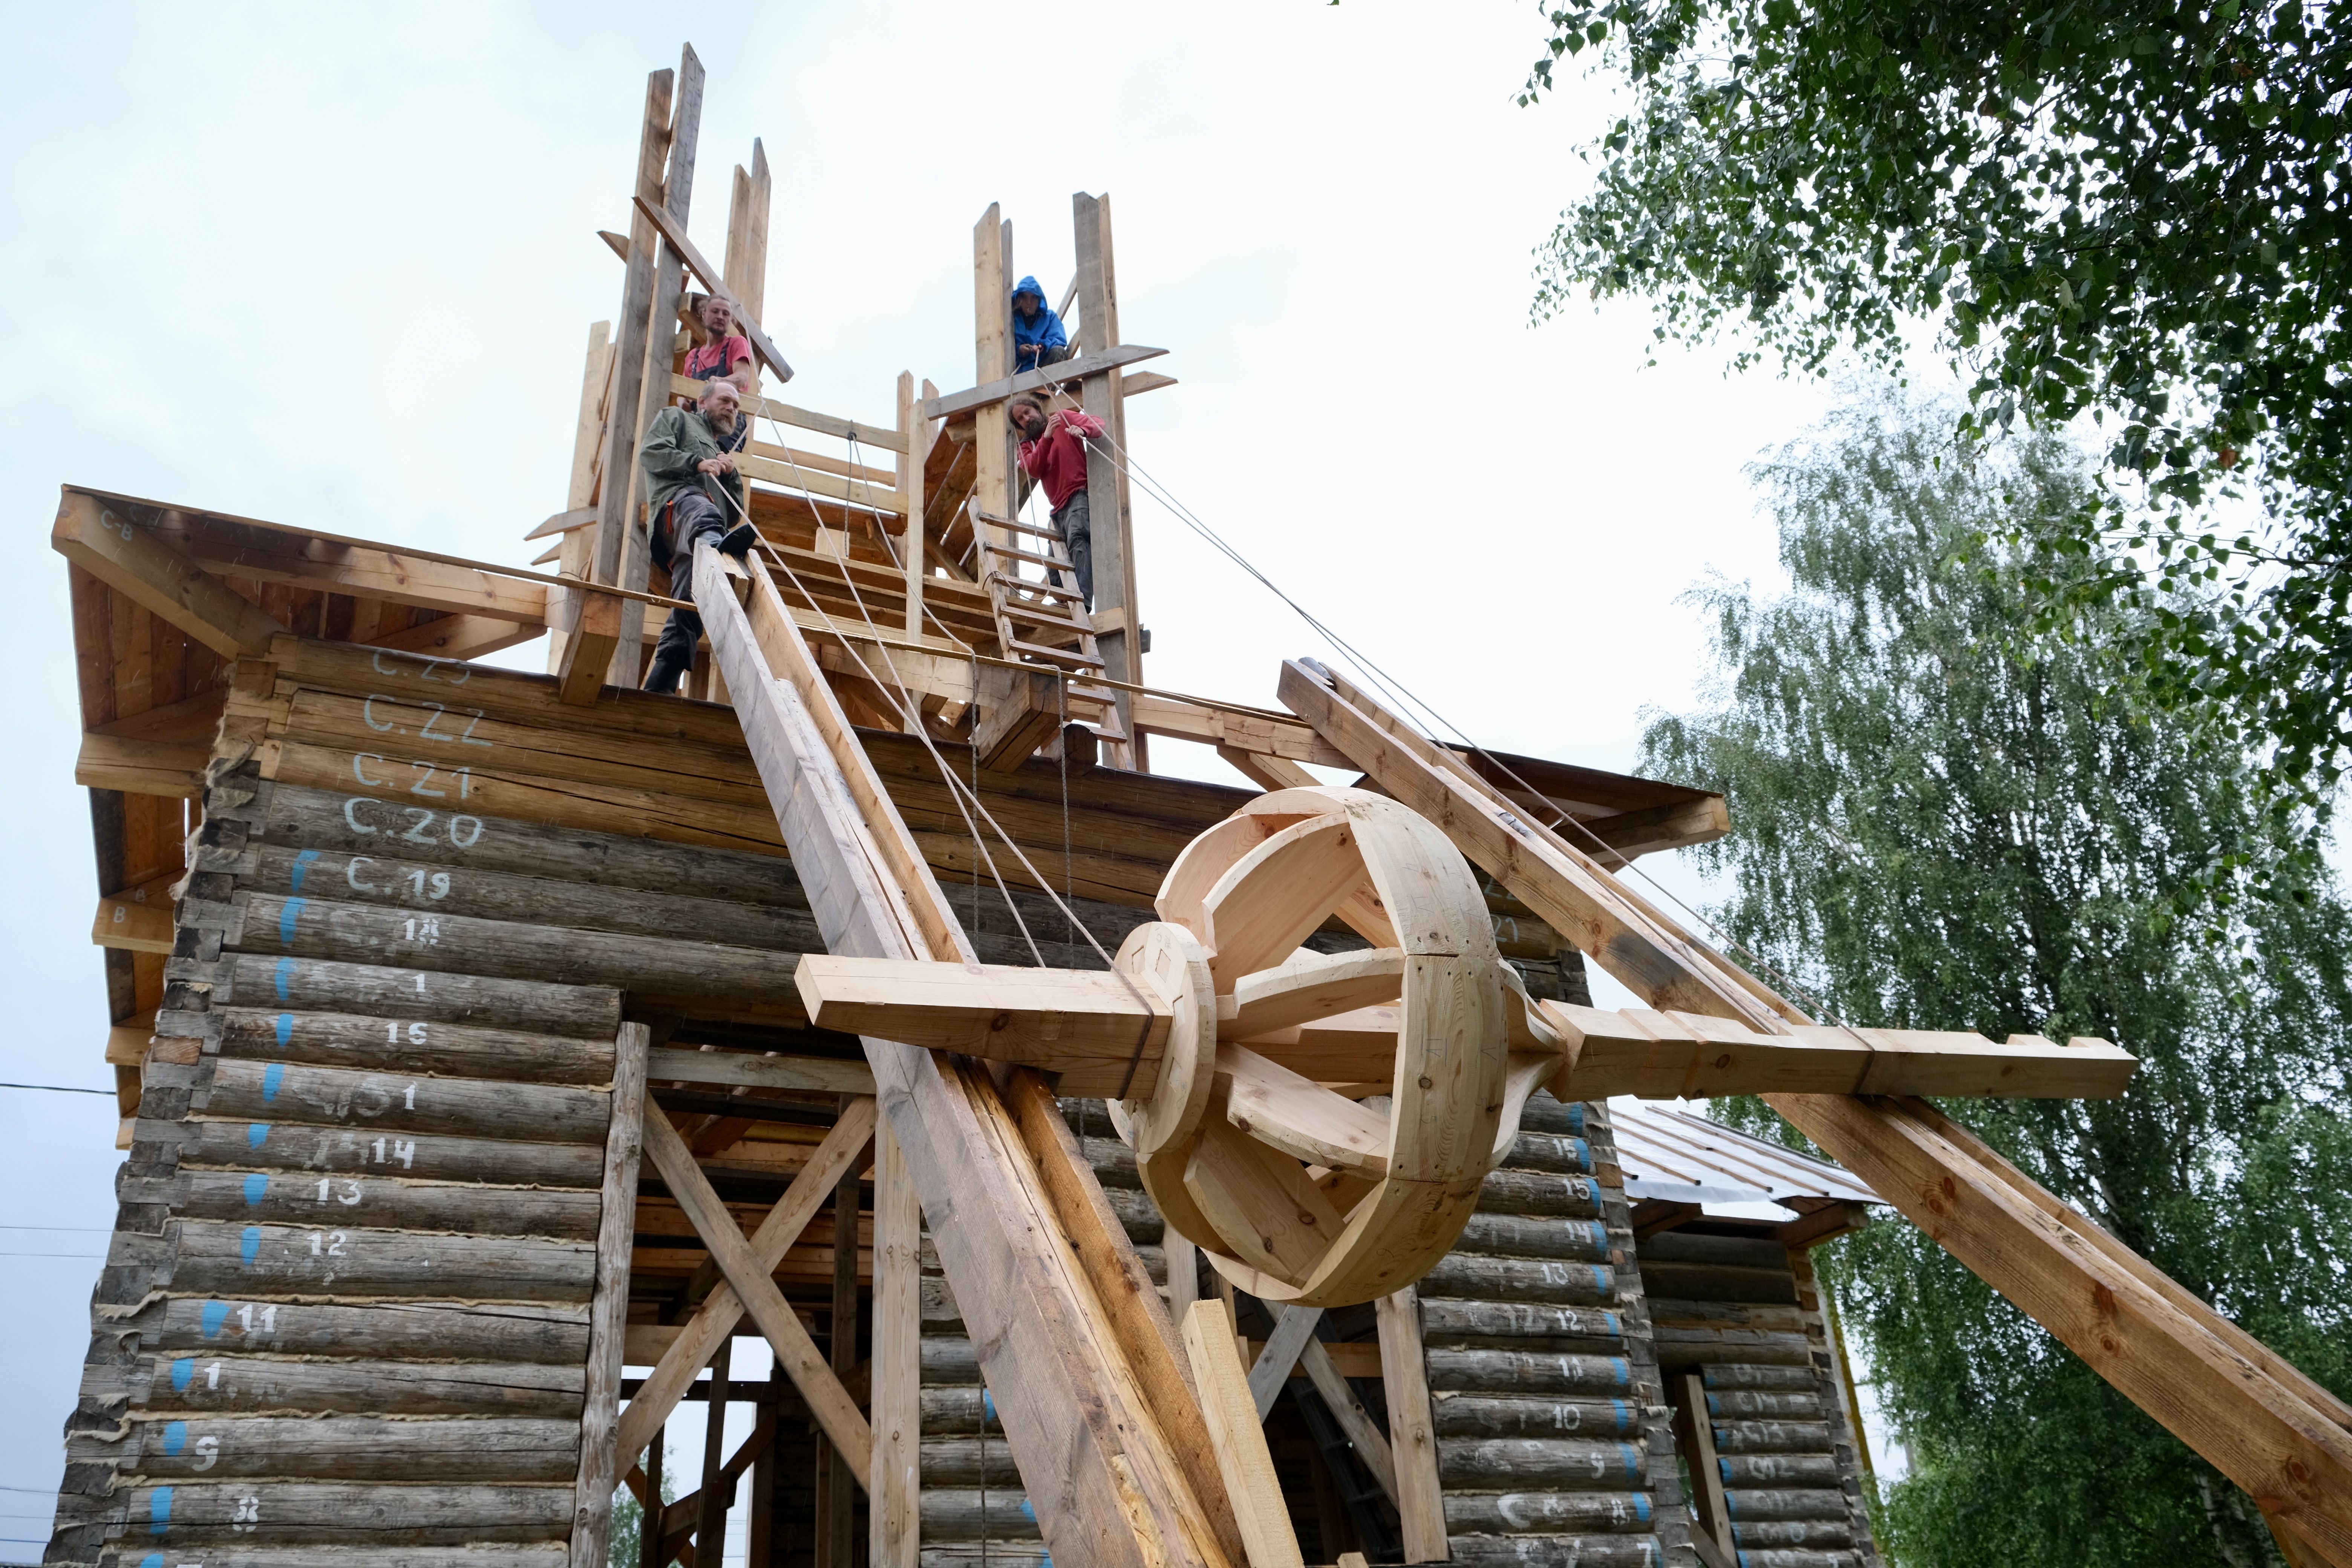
(739, 541)
(666, 670)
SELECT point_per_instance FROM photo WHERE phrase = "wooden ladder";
(1033, 603)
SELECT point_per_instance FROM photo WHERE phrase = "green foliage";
(627, 1546)
(2130, 209)
(1941, 822)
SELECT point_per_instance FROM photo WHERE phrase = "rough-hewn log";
(953, 1462)
(1818, 1533)
(1558, 1464)
(1719, 1282)
(1526, 1371)
(1550, 1152)
(1763, 1404)
(357, 1448)
(1547, 1513)
(1730, 1251)
(367, 1149)
(1509, 1236)
(1523, 1279)
(1477, 1415)
(1445, 1320)
(975, 1515)
(348, 1260)
(1530, 1193)
(243, 1384)
(414, 1045)
(1685, 1347)
(300, 1199)
(1827, 1505)
(1550, 1550)
(185, 1516)
(257, 980)
(394, 1102)
(509, 1332)
(1818, 1469)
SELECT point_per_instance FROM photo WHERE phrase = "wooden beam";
(137, 921)
(829, 1404)
(673, 231)
(1371, 1443)
(1070, 1401)
(1090, 1022)
(811, 482)
(1005, 389)
(882, 435)
(843, 1149)
(894, 1540)
(1136, 385)
(669, 1065)
(608, 1310)
(1240, 1439)
(589, 648)
(132, 560)
(461, 637)
(1631, 833)
(1412, 1433)
(1265, 771)
(1121, 646)
(1279, 1359)
(1272, 735)
(141, 767)
(2277, 1435)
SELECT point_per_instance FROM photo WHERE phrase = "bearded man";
(695, 492)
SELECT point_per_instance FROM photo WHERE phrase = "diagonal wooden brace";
(843, 1150)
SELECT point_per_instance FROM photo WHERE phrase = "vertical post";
(1694, 1435)
(620, 443)
(760, 1548)
(1412, 1435)
(655, 1522)
(577, 548)
(608, 1311)
(911, 428)
(840, 1540)
(710, 1519)
(893, 1483)
(1183, 1274)
(636, 540)
(754, 292)
(993, 359)
(1114, 554)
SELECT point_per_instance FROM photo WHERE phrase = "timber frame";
(361, 894)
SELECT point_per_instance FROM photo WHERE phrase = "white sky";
(284, 262)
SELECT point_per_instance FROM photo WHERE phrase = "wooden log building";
(472, 1113)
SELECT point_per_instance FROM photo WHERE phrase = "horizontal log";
(753, 1071)
(1547, 1513)
(1773, 1438)
(1735, 1251)
(957, 1412)
(260, 981)
(1530, 1193)
(366, 1150)
(1550, 1152)
(1550, 1551)
(1814, 1469)
(1542, 1113)
(385, 878)
(1137, 1215)
(1518, 1279)
(411, 1047)
(1785, 1504)
(298, 817)
(227, 1258)
(361, 1447)
(1779, 1377)
(1528, 1372)
(1686, 1347)
(1448, 1319)
(1822, 1534)
(959, 1462)
(1484, 1416)
(183, 1516)
(975, 1515)
(1556, 1464)
(260, 1386)
(386, 1331)
(1768, 1319)
(382, 1202)
(518, 1555)
(973, 1554)
(396, 1102)
(1718, 1282)
(948, 1360)
(1581, 1237)
(1765, 1404)
(1796, 1558)
(358, 933)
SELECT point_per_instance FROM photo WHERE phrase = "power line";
(58, 1088)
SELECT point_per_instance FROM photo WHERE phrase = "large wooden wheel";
(1320, 1124)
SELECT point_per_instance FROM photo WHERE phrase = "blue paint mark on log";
(1625, 1415)
(302, 867)
(256, 1187)
(285, 1030)
(175, 1437)
(1624, 1372)
(286, 919)
(153, 1560)
(215, 1314)
(183, 1373)
(249, 1244)
(282, 973)
(273, 1079)
(1641, 1507)
(159, 1512)
(257, 1134)
(1028, 1511)
(987, 1405)
(1632, 1457)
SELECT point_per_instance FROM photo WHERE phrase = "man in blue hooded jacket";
(1037, 336)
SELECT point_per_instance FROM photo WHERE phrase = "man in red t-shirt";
(1054, 453)
(726, 356)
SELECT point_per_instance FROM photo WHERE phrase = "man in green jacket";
(695, 492)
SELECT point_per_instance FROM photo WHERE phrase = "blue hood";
(1043, 332)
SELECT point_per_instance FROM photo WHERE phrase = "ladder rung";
(1036, 586)
(1019, 527)
(1030, 555)
(1058, 655)
(1039, 618)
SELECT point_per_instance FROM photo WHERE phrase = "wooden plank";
(1271, 735)
(592, 1518)
(881, 436)
(895, 1477)
(141, 767)
(673, 233)
(910, 479)
(148, 571)
(844, 1149)
(246, 549)
(1070, 1021)
(1267, 772)
(673, 1066)
(1007, 387)
(1279, 1360)
(137, 921)
(1412, 1438)
(1235, 1428)
(829, 1404)
(794, 475)
(837, 1498)
(1106, 481)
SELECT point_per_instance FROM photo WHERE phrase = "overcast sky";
(337, 268)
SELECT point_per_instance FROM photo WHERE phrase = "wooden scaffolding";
(477, 1099)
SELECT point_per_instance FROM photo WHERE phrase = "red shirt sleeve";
(738, 349)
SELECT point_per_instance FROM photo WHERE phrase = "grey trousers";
(1076, 525)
